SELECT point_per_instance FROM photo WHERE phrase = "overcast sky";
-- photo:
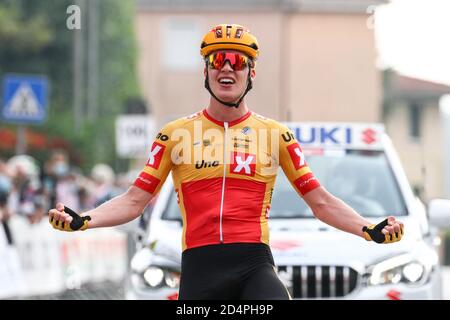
(413, 37)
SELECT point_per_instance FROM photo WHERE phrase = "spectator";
(26, 197)
(55, 168)
(104, 189)
(5, 189)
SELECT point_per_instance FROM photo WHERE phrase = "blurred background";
(87, 83)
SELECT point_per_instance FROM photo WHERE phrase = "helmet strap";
(230, 104)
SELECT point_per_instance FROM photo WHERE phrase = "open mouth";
(226, 81)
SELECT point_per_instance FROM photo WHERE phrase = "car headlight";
(172, 279)
(153, 276)
(413, 271)
(400, 269)
(156, 277)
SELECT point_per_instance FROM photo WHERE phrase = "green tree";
(117, 66)
(19, 34)
(34, 39)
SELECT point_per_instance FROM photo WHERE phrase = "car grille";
(319, 281)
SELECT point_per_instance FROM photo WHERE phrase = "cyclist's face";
(226, 83)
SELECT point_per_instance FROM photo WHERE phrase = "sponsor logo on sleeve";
(306, 183)
(297, 156)
(156, 154)
(147, 182)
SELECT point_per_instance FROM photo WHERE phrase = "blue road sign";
(24, 99)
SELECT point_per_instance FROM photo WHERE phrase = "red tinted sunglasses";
(237, 61)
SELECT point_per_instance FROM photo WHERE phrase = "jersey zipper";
(225, 125)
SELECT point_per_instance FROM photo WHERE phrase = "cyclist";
(224, 161)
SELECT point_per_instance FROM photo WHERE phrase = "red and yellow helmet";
(230, 37)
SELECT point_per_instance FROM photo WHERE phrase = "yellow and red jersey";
(224, 174)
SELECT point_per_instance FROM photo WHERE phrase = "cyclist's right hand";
(65, 219)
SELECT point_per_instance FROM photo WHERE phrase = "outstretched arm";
(119, 210)
(337, 213)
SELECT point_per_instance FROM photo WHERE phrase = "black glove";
(373, 233)
(78, 222)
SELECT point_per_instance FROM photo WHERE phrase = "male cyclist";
(224, 161)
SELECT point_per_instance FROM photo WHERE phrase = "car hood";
(311, 242)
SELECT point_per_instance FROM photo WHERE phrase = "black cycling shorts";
(230, 271)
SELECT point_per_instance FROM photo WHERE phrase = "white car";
(358, 164)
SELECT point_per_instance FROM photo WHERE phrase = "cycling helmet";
(230, 37)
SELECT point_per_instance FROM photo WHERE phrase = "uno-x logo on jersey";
(156, 154)
(243, 163)
(297, 156)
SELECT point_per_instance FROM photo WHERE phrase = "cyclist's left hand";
(388, 231)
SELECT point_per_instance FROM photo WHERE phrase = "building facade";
(317, 60)
(415, 124)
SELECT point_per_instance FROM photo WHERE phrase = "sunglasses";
(237, 61)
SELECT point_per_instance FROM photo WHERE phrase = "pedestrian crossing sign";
(24, 98)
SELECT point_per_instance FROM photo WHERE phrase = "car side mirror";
(439, 213)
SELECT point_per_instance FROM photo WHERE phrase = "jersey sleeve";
(293, 163)
(159, 162)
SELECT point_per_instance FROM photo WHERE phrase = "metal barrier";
(47, 261)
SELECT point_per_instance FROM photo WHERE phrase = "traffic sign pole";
(21, 143)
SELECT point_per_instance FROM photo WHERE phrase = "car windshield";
(363, 179)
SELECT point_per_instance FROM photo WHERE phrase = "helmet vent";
(229, 31)
(218, 32)
(239, 32)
